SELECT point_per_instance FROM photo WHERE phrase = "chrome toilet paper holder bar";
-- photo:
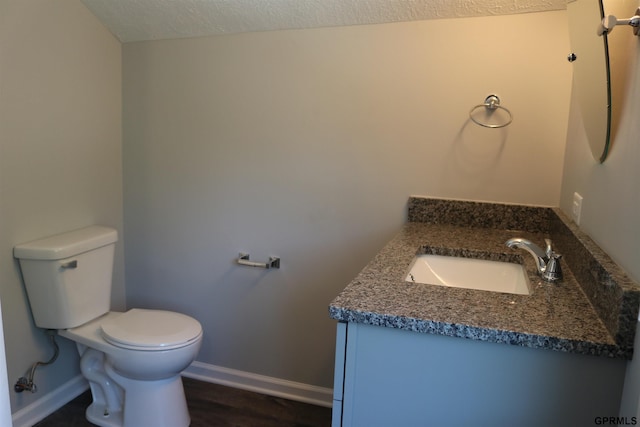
(243, 259)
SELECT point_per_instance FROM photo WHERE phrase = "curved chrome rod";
(609, 22)
(491, 103)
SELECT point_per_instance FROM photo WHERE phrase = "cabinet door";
(399, 378)
(338, 374)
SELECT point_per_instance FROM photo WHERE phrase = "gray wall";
(60, 157)
(611, 205)
(306, 144)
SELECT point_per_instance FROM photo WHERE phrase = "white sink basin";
(469, 273)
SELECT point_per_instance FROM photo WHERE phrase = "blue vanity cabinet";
(392, 377)
(338, 374)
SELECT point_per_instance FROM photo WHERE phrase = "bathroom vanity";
(415, 354)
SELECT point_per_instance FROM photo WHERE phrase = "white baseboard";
(300, 392)
(49, 403)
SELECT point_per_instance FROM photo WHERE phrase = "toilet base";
(125, 402)
(98, 414)
(159, 403)
(147, 404)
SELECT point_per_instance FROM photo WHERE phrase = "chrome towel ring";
(491, 103)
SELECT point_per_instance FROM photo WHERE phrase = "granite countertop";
(558, 316)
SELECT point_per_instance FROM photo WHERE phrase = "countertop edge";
(481, 334)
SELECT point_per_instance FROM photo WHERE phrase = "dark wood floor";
(212, 405)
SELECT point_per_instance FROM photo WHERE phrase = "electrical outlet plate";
(576, 208)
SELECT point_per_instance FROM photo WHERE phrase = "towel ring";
(491, 103)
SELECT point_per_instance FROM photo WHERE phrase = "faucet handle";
(551, 254)
(553, 271)
(549, 249)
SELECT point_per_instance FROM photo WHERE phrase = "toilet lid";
(151, 329)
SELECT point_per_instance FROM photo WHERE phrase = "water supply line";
(27, 383)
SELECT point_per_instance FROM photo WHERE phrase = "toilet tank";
(68, 276)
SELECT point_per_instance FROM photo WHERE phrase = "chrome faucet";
(547, 261)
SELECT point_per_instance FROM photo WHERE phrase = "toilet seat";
(140, 329)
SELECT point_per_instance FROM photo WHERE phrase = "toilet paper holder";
(243, 259)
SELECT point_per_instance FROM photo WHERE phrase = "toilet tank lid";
(68, 244)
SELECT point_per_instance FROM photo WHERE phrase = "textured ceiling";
(136, 20)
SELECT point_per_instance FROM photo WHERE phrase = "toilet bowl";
(132, 360)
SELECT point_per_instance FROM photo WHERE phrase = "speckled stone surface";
(599, 320)
(478, 214)
(614, 296)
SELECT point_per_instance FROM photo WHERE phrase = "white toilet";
(132, 360)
